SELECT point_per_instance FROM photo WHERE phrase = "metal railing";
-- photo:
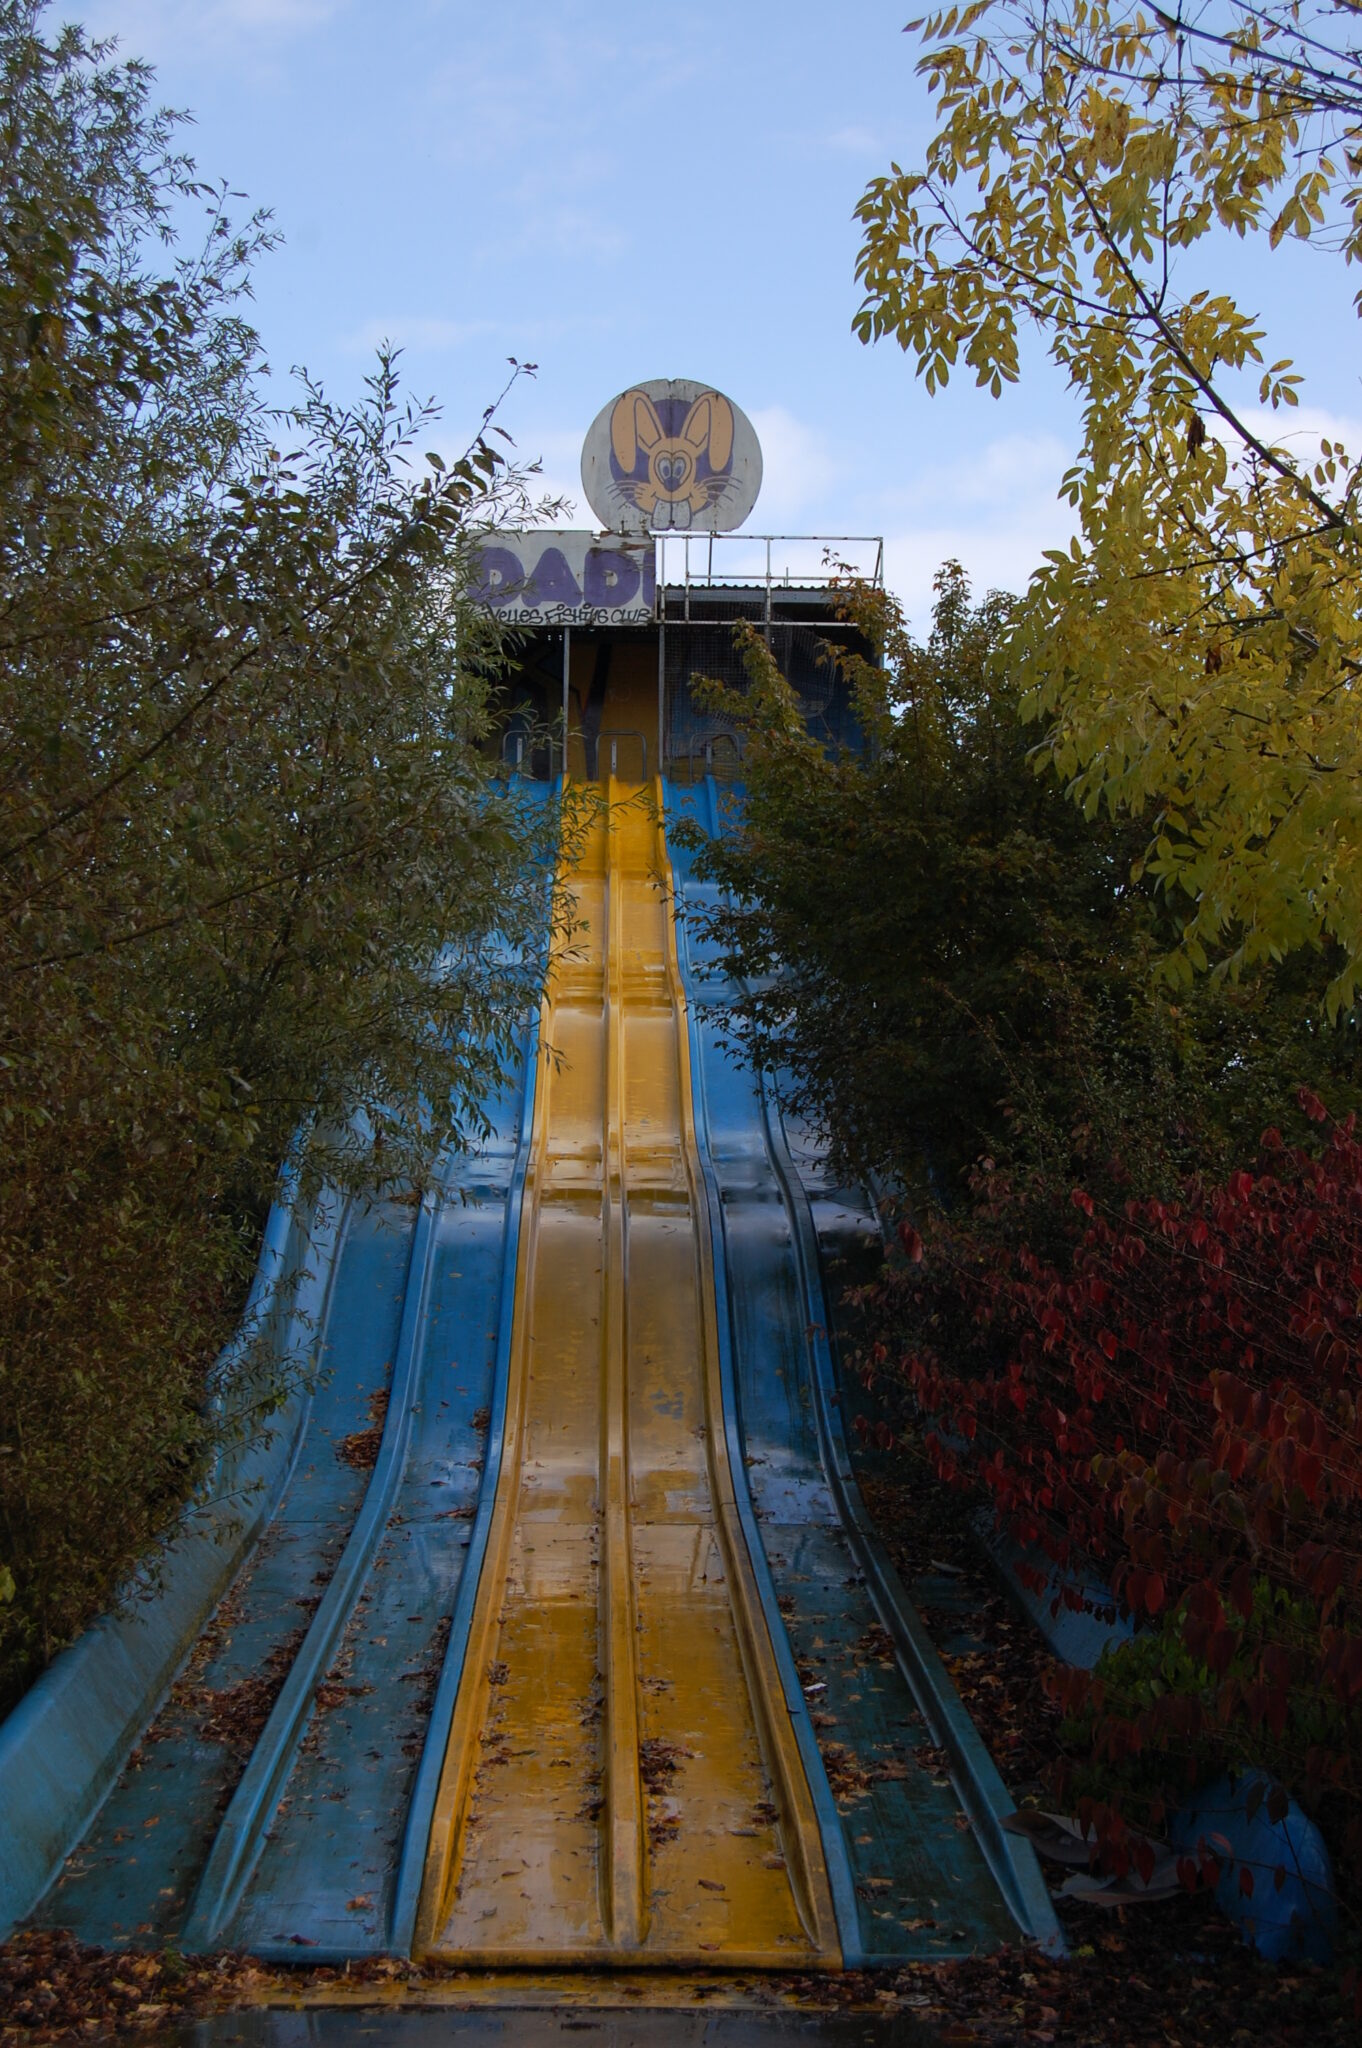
(614, 738)
(705, 748)
(589, 753)
(763, 563)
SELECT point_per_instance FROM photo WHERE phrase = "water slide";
(916, 1803)
(621, 1781)
(279, 1827)
(567, 1642)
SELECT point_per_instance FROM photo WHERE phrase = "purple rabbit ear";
(709, 425)
(634, 424)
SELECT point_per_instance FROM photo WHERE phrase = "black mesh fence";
(703, 742)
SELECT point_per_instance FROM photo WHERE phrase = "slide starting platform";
(568, 1644)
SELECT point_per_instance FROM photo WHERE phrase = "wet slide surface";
(911, 1825)
(237, 1822)
(621, 1781)
(562, 1647)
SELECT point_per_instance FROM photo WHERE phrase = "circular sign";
(671, 455)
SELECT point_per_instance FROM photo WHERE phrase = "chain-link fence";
(701, 741)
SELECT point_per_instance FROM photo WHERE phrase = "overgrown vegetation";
(946, 960)
(1173, 1396)
(259, 897)
(1125, 1322)
(1194, 655)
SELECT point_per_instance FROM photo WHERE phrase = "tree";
(926, 932)
(260, 894)
(941, 958)
(1197, 651)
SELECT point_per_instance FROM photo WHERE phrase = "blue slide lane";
(282, 1831)
(131, 1880)
(328, 1868)
(914, 1799)
(279, 1801)
(426, 1785)
(67, 1741)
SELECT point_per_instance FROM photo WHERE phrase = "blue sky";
(626, 191)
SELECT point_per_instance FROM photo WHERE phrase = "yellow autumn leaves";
(1194, 656)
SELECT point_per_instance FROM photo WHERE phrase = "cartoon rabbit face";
(670, 477)
(671, 454)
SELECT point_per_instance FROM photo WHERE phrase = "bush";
(1174, 1395)
(255, 878)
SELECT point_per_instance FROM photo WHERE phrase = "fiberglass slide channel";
(281, 1817)
(915, 1800)
(620, 1785)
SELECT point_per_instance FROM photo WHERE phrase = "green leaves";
(1200, 643)
(256, 878)
(947, 927)
(945, 959)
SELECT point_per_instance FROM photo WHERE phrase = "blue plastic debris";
(1080, 1635)
(1276, 1876)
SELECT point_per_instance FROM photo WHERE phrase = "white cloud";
(1004, 559)
(157, 28)
(989, 479)
(798, 469)
(994, 509)
(1297, 428)
(854, 142)
(416, 331)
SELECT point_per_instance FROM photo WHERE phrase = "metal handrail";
(759, 575)
(519, 735)
(614, 737)
(706, 748)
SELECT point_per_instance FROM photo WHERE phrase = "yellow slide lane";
(622, 1784)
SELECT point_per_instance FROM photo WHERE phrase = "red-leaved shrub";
(1174, 1395)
